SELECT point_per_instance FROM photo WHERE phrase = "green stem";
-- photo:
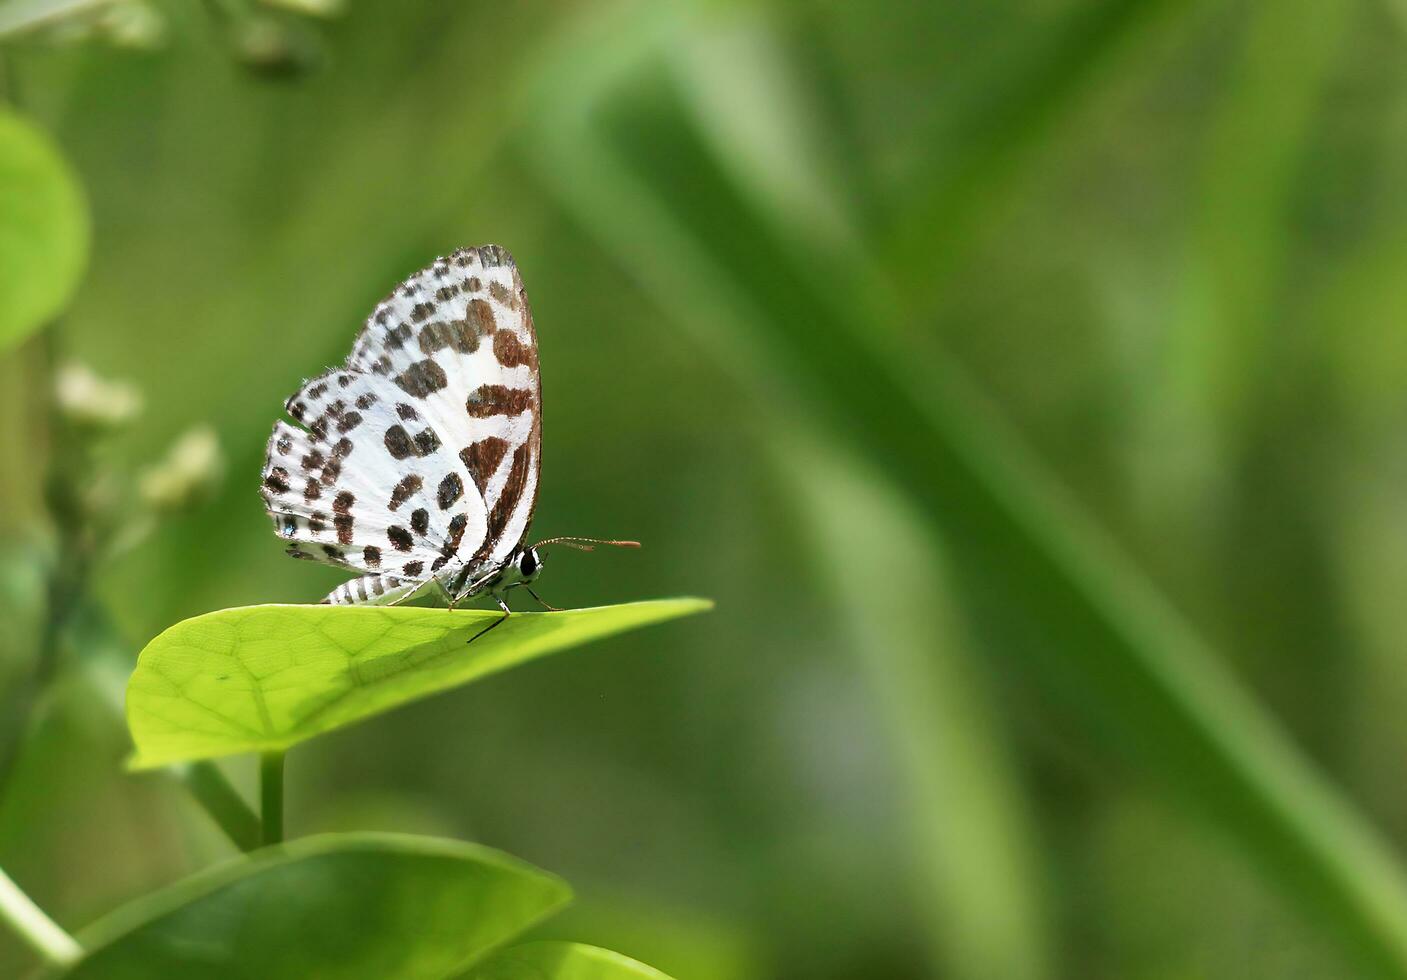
(208, 785)
(30, 923)
(271, 796)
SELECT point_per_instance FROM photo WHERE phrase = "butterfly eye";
(528, 563)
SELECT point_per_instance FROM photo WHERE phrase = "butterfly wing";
(426, 446)
(370, 485)
(459, 336)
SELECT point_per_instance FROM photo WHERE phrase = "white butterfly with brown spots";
(419, 464)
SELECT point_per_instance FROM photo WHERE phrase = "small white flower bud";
(92, 402)
(133, 24)
(192, 467)
(310, 8)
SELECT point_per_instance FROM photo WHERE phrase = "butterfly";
(418, 467)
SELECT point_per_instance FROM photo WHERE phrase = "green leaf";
(337, 907)
(43, 230)
(561, 961)
(262, 678)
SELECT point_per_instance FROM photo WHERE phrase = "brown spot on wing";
(507, 500)
(462, 335)
(480, 316)
(422, 378)
(482, 458)
(487, 400)
(510, 351)
(451, 489)
(399, 537)
(504, 295)
(456, 532)
(400, 444)
(405, 489)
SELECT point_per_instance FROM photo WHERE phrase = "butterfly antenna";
(587, 544)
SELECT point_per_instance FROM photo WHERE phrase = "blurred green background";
(1026, 380)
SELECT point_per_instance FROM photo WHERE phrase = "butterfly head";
(529, 564)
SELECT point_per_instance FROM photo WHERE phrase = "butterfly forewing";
(461, 331)
(422, 453)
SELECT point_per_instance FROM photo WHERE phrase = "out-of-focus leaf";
(261, 678)
(974, 867)
(338, 907)
(993, 144)
(681, 941)
(1224, 329)
(620, 149)
(21, 16)
(561, 961)
(43, 230)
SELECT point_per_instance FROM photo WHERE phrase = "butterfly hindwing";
(370, 485)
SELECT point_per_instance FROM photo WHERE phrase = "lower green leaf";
(561, 961)
(263, 678)
(336, 907)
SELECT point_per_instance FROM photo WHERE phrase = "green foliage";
(262, 678)
(1094, 310)
(621, 142)
(561, 961)
(43, 230)
(338, 907)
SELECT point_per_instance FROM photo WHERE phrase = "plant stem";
(30, 923)
(271, 796)
(208, 785)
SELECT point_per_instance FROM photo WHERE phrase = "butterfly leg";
(546, 605)
(497, 622)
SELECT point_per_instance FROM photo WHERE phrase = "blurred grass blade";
(43, 230)
(338, 907)
(262, 678)
(1212, 361)
(983, 154)
(971, 844)
(561, 961)
(621, 153)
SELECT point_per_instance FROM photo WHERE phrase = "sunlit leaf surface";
(339, 907)
(561, 961)
(260, 678)
(43, 230)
